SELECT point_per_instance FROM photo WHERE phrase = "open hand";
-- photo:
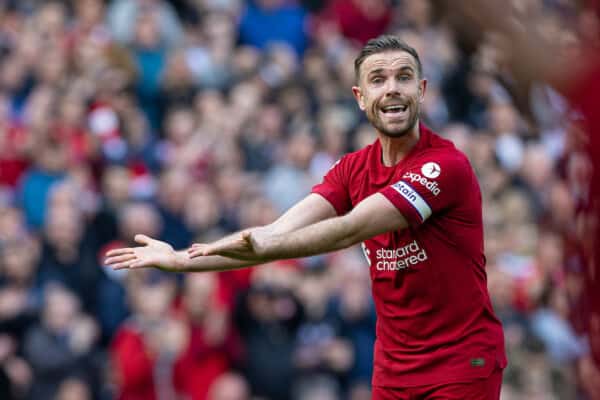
(153, 253)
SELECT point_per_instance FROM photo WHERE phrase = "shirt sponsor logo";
(400, 258)
(432, 186)
(431, 170)
(414, 198)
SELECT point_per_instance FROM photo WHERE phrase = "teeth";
(394, 108)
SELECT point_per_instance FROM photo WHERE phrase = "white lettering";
(400, 258)
(432, 186)
(414, 198)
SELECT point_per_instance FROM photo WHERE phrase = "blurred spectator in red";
(360, 20)
(212, 347)
(15, 145)
(147, 344)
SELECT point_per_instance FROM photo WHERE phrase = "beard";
(394, 130)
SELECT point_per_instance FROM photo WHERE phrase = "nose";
(392, 88)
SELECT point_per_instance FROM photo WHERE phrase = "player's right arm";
(161, 255)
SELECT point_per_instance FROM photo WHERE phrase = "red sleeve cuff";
(340, 204)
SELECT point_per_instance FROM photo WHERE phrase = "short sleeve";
(334, 187)
(429, 187)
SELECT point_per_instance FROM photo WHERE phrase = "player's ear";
(422, 89)
(359, 97)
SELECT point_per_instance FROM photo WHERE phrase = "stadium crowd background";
(189, 119)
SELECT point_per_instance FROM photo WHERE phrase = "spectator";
(268, 317)
(212, 347)
(62, 345)
(265, 22)
(229, 386)
(145, 346)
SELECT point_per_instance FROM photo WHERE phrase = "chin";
(397, 132)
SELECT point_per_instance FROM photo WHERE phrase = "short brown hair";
(382, 44)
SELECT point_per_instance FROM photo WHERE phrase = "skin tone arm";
(161, 255)
(373, 216)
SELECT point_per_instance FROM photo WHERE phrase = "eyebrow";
(406, 68)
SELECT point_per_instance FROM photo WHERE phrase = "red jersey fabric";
(435, 321)
(584, 96)
(199, 365)
(133, 365)
(480, 389)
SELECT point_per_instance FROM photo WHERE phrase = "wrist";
(265, 246)
(177, 262)
(180, 261)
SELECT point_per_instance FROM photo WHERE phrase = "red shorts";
(478, 389)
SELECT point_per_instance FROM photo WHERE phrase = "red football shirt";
(435, 322)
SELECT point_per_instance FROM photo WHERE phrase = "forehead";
(392, 60)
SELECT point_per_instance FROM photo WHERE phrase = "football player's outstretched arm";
(372, 216)
(158, 254)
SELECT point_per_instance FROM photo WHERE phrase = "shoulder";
(360, 155)
(355, 159)
(442, 157)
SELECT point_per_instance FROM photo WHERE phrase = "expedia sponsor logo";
(400, 258)
(432, 186)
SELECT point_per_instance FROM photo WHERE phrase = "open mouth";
(394, 110)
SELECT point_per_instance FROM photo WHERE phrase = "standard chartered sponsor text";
(400, 258)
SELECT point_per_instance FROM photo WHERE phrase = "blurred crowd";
(188, 119)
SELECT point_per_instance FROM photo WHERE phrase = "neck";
(394, 149)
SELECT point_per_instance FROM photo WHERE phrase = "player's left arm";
(372, 216)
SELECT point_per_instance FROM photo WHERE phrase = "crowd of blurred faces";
(186, 120)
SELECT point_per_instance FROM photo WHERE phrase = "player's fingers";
(122, 265)
(218, 248)
(195, 252)
(119, 252)
(143, 239)
(139, 264)
(196, 247)
(119, 259)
